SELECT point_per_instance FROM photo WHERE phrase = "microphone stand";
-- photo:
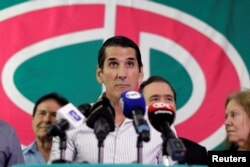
(63, 145)
(101, 129)
(62, 148)
(139, 146)
(100, 151)
(101, 119)
(143, 132)
(172, 146)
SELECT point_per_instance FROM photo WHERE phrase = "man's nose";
(47, 118)
(122, 73)
(162, 100)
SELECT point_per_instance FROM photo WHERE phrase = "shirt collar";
(32, 147)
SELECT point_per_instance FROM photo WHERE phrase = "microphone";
(84, 109)
(101, 118)
(68, 117)
(161, 116)
(133, 106)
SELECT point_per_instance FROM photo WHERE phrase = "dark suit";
(196, 154)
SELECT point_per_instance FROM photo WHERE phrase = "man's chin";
(125, 89)
(45, 138)
(43, 134)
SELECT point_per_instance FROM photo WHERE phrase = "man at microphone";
(119, 69)
(44, 115)
(157, 89)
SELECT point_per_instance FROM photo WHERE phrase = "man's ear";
(141, 76)
(99, 75)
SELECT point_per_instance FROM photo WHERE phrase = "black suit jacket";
(196, 154)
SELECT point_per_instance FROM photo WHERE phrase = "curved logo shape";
(133, 95)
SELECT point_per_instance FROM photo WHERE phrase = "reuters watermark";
(229, 158)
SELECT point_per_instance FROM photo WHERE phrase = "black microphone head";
(84, 109)
(160, 114)
(102, 108)
(58, 128)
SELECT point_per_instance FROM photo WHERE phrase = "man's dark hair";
(118, 41)
(153, 79)
(55, 96)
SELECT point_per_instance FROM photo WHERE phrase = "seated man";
(44, 115)
(157, 89)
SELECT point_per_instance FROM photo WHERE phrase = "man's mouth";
(122, 85)
(44, 127)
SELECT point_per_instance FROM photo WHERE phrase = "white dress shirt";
(119, 146)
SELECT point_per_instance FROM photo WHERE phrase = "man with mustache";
(157, 89)
(44, 115)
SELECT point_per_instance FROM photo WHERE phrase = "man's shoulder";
(4, 124)
(32, 155)
(196, 153)
(6, 128)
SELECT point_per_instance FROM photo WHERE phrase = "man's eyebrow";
(111, 59)
(131, 59)
(155, 95)
(41, 110)
(115, 59)
(168, 95)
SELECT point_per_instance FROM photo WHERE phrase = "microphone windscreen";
(160, 113)
(132, 100)
(102, 108)
(58, 128)
(84, 109)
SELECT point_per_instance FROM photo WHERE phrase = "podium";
(103, 165)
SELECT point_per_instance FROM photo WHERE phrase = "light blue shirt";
(32, 155)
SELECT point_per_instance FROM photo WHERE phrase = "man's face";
(120, 71)
(159, 92)
(45, 116)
